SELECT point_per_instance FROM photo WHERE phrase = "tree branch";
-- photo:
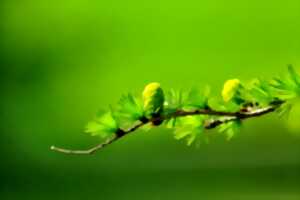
(229, 116)
(84, 152)
(241, 116)
(210, 124)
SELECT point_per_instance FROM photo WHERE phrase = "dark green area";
(60, 61)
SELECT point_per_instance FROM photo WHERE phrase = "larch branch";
(209, 124)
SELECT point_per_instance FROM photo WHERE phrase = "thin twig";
(84, 152)
(228, 116)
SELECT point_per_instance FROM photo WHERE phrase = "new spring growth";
(153, 100)
(192, 112)
(230, 89)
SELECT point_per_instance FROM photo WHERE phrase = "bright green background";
(62, 60)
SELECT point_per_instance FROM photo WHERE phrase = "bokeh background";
(61, 61)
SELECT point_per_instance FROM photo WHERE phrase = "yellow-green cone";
(153, 99)
(230, 89)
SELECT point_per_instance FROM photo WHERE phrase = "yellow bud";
(230, 88)
(149, 91)
(153, 98)
(150, 88)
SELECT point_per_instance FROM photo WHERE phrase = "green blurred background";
(63, 60)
